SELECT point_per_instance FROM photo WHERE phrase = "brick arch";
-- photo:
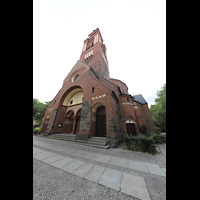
(68, 113)
(78, 111)
(68, 92)
(128, 117)
(95, 107)
(130, 121)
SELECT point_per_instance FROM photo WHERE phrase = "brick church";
(90, 103)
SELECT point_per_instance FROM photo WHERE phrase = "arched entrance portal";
(78, 118)
(130, 127)
(100, 122)
(72, 103)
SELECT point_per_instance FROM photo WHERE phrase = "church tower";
(94, 53)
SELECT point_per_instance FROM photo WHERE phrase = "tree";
(35, 106)
(158, 110)
(39, 110)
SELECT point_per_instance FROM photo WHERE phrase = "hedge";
(159, 138)
(144, 143)
(140, 143)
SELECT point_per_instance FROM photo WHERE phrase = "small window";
(127, 99)
(71, 101)
(93, 90)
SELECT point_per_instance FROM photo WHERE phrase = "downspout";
(145, 118)
(119, 121)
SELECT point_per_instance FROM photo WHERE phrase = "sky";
(134, 32)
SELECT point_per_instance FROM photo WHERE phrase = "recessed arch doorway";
(130, 127)
(100, 121)
(78, 119)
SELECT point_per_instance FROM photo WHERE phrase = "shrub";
(143, 129)
(159, 138)
(35, 130)
(145, 143)
(158, 130)
(127, 140)
(140, 142)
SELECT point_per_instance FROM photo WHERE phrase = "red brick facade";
(88, 86)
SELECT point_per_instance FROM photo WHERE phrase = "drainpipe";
(145, 118)
(119, 122)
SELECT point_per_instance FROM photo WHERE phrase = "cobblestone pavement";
(52, 183)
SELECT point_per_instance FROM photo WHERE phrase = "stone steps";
(67, 137)
(95, 142)
(99, 142)
(93, 145)
(97, 139)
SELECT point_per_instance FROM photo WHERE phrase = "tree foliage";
(39, 110)
(158, 110)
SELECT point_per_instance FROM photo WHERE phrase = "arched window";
(93, 90)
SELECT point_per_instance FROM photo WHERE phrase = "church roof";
(139, 98)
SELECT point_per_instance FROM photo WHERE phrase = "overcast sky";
(134, 32)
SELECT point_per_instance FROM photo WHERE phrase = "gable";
(80, 67)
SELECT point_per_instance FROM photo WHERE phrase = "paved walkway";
(115, 179)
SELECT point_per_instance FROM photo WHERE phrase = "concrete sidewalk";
(115, 179)
(126, 163)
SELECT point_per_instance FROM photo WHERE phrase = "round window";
(76, 77)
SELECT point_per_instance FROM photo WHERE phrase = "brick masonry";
(98, 90)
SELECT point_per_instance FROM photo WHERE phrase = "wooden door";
(130, 127)
(100, 122)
